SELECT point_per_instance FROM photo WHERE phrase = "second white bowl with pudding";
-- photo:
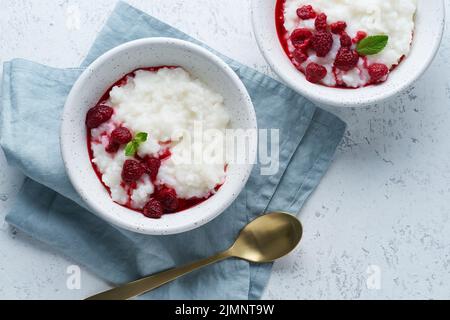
(126, 125)
(347, 53)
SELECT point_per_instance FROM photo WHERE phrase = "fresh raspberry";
(306, 12)
(321, 42)
(321, 22)
(132, 171)
(121, 135)
(346, 41)
(359, 36)
(300, 56)
(315, 72)
(153, 166)
(378, 72)
(338, 27)
(153, 209)
(305, 45)
(165, 154)
(346, 59)
(168, 199)
(98, 115)
(300, 36)
(112, 147)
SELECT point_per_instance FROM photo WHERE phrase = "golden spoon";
(263, 240)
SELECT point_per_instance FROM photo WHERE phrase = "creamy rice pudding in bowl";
(145, 136)
(348, 53)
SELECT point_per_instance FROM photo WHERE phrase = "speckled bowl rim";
(220, 203)
(263, 19)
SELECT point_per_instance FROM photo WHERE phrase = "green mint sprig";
(372, 45)
(133, 146)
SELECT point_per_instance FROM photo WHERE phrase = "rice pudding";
(344, 43)
(139, 137)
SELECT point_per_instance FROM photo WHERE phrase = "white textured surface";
(384, 202)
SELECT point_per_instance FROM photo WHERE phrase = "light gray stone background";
(378, 225)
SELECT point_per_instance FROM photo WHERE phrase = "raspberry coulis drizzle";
(281, 30)
(183, 204)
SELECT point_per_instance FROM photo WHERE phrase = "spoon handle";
(144, 285)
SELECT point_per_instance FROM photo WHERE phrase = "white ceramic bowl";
(430, 22)
(96, 80)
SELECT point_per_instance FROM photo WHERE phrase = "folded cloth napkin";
(49, 209)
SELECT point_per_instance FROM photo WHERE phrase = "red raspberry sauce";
(281, 30)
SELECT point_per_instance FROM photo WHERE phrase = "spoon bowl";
(268, 238)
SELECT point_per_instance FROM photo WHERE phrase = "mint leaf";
(372, 45)
(141, 137)
(133, 146)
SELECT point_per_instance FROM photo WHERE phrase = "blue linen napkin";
(50, 211)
